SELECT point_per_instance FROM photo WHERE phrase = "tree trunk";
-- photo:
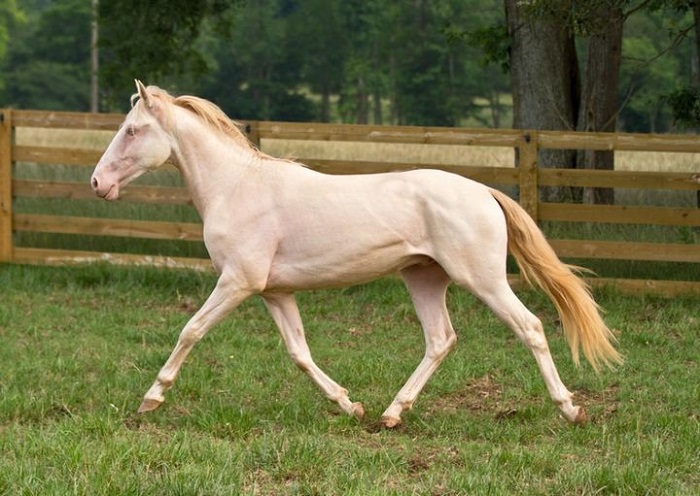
(544, 81)
(696, 75)
(599, 96)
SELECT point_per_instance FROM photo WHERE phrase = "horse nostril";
(94, 183)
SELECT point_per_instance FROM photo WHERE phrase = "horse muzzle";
(106, 189)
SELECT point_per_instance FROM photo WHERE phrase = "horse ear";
(143, 94)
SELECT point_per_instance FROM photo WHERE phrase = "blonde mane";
(209, 112)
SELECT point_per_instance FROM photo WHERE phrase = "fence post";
(252, 131)
(527, 162)
(527, 180)
(6, 144)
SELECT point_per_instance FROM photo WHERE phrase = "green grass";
(80, 346)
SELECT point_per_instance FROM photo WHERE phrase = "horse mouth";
(111, 194)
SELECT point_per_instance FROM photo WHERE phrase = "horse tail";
(579, 313)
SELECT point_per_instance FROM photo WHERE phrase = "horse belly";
(341, 263)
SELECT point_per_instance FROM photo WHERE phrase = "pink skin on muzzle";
(109, 177)
(104, 189)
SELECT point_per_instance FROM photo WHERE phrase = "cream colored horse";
(273, 227)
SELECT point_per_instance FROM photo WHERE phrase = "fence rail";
(26, 200)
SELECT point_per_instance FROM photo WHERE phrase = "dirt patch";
(482, 395)
(599, 404)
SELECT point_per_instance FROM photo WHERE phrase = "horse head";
(141, 144)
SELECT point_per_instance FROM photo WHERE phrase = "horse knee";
(301, 360)
(438, 349)
(191, 336)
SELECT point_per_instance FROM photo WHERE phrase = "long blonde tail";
(579, 313)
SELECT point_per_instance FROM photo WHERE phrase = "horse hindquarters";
(479, 265)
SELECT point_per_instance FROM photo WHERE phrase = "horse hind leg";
(284, 311)
(427, 285)
(528, 328)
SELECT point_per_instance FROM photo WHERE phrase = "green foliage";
(81, 345)
(314, 24)
(46, 64)
(149, 40)
(685, 104)
(646, 75)
(424, 63)
(9, 14)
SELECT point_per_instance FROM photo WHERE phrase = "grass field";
(80, 346)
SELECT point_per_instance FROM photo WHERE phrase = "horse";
(273, 227)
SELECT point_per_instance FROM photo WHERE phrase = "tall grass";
(81, 345)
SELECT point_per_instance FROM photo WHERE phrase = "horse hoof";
(358, 410)
(149, 405)
(390, 422)
(581, 417)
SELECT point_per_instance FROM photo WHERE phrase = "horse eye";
(131, 131)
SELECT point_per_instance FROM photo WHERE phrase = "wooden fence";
(528, 178)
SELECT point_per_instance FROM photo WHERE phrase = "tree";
(10, 15)
(655, 61)
(598, 107)
(685, 101)
(544, 79)
(155, 38)
(48, 61)
(564, 94)
(430, 78)
(316, 24)
(258, 74)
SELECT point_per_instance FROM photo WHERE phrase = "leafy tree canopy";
(383, 61)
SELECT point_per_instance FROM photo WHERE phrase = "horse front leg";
(226, 296)
(285, 312)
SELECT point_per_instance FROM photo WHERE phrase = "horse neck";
(210, 162)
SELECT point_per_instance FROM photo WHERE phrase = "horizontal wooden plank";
(619, 214)
(82, 191)
(506, 175)
(648, 286)
(67, 120)
(56, 155)
(45, 256)
(618, 141)
(386, 134)
(108, 227)
(69, 257)
(52, 189)
(618, 179)
(395, 134)
(623, 250)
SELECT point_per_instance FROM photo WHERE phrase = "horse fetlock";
(392, 415)
(581, 417)
(358, 410)
(575, 415)
(389, 421)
